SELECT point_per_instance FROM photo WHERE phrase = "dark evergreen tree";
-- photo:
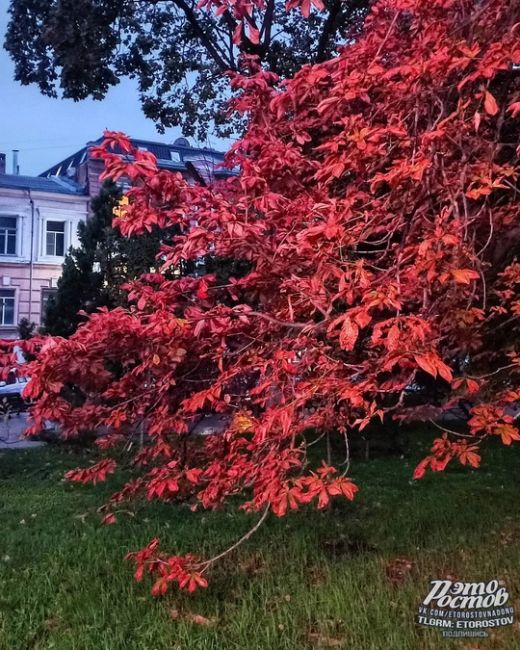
(94, 271)
(25, 329)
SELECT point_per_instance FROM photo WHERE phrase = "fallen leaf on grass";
(318, 640)
(52, 623)
(399, 569)
(316, 577)
(198, 619)
(253, 564)
(509, 536)
(343, 546)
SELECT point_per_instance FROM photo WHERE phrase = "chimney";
(2, 163)
(16, 166)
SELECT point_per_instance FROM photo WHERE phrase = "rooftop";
(177, 155)
(52, 185)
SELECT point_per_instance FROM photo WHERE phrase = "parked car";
(11, 393)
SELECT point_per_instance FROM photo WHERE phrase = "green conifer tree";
(94, 271)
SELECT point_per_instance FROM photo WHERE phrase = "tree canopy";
(376, 207)
(176, 49)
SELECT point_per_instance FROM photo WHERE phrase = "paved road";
(12, 430)
(11, 433)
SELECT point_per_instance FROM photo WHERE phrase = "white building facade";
(39, 220)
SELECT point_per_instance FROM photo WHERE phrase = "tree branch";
(328, 28)
(282, 323)
(212, 48)
(243, 539)
(268, 24)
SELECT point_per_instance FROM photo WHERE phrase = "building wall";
(31, 269)
(94, 168)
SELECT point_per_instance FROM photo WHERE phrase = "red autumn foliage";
(94, 473)
(376, 205)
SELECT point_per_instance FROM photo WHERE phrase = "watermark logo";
(466, 609)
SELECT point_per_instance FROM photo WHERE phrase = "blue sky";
(47, 130)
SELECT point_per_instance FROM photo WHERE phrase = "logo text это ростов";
(465, 608)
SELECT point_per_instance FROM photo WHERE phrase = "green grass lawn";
(312, 579)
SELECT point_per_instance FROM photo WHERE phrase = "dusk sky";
(46, 130)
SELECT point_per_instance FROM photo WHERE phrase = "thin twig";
(243, 539)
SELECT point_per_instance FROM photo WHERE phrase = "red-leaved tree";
(375, 209)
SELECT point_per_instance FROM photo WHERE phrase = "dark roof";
(163, 151)
(38, 184)
(169, 156)
(63, 165)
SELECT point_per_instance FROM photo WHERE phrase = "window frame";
(45, 232)
(51, 291)
(8, 233)
(2, 306)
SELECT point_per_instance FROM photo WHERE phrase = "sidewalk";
(11, 433)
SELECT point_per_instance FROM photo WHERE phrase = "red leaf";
(425, 362)
(490, 104)
(476, 120)
(254, 35)
(514, 108)
(420, 470)
(110, 518)
(348, 334)
(464, 276)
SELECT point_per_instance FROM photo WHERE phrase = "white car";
(11, 393)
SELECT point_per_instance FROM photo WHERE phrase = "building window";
(47, 296)
(124, 184)
(7, 235)
(55, 238)
(7, 303)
